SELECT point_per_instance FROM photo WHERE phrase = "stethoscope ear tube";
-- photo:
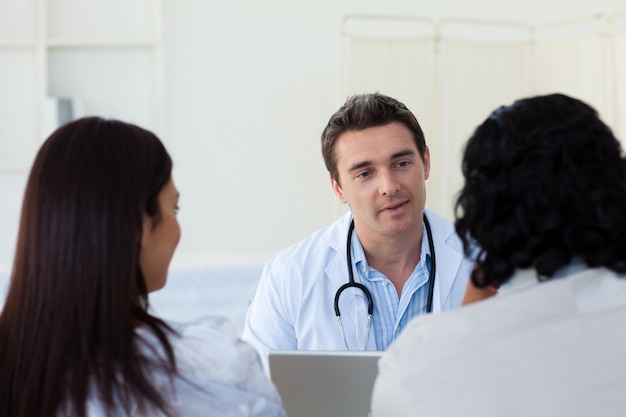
(351, 283)
(433, 266)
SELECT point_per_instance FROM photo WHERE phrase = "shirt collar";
(525, 278)
(359, 260)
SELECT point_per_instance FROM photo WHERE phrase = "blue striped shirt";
(391, 314)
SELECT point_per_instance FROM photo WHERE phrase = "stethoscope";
(368, 295)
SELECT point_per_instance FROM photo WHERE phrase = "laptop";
(324, 383)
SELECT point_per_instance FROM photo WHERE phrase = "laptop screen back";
(324, 383)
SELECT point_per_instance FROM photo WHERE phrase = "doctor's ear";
(337, 189)
(426, 163)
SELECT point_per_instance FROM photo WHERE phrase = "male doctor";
(378, 162)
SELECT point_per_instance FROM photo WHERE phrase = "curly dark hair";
(545, 183)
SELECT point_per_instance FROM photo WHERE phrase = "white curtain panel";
(619, 69)
(401, 68)
(473, 78)
(579, 68)
(620, 87)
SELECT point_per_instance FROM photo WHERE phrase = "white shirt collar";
(524, 278)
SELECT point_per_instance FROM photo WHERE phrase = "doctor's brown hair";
(77, 294)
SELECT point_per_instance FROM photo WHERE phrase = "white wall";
(249, 85)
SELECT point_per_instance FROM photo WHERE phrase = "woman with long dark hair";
(98, 230)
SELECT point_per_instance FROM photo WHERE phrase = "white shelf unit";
(105, 57)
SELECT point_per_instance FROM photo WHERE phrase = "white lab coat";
(293, 306)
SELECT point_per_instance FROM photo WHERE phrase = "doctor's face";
(383, 178)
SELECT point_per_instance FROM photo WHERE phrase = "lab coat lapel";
(448, 258)
(336, 276)
(352, 302)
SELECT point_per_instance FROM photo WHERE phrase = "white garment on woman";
(220, 375)
(554, 348)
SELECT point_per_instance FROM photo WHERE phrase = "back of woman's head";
(545, 183)
(77, 291)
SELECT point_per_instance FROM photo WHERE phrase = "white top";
(220, 375)
(536, 349)
(293, 308)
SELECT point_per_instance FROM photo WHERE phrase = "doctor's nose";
(387, 184)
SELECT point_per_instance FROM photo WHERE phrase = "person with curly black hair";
(544, 204)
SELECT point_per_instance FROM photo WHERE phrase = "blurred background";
(240, 91)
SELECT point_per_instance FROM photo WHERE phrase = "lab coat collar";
(448, 253)
(448, 257)
(336, 237)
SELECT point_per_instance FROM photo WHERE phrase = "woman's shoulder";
(209, 344)
(207, 327)
(216, 367)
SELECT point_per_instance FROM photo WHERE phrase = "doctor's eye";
(363, 174)
(176, 209)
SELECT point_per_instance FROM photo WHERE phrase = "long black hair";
(77, 294)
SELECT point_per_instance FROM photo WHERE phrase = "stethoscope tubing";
(351, 283)
(370, 303)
